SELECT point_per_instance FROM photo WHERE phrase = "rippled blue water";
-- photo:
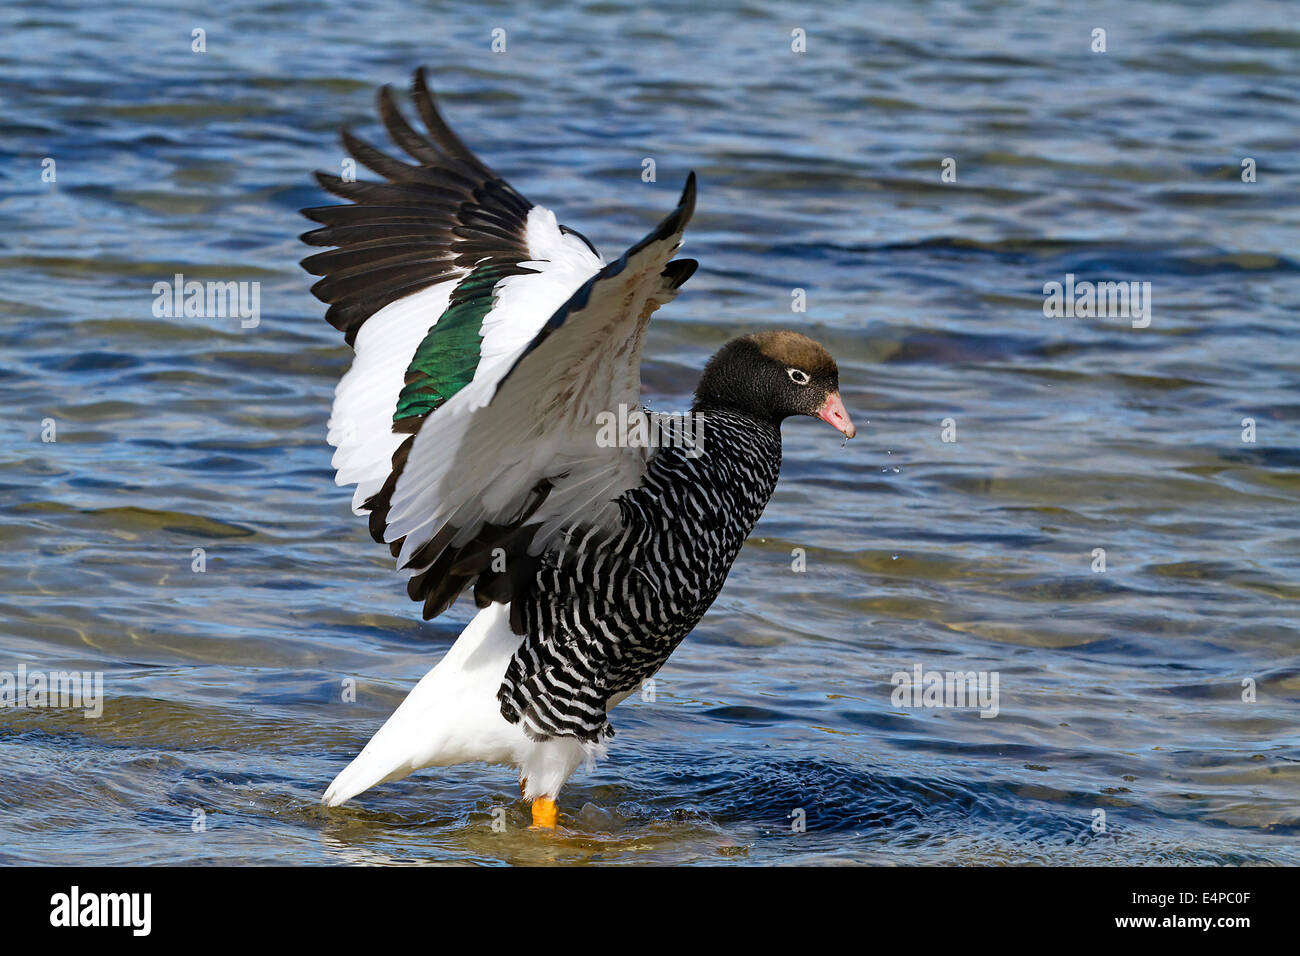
(1120, 691)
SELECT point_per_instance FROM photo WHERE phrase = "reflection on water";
(772, 736)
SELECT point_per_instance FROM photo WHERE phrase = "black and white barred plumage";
(607, 608)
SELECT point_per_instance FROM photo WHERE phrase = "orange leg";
(545, 813)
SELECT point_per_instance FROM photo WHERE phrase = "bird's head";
(773, 375)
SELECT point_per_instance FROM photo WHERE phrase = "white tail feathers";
(452, 716)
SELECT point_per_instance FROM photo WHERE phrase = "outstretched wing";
(488, 338)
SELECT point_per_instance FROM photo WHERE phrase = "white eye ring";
(798, 376)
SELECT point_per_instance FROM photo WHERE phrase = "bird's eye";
(797, 375)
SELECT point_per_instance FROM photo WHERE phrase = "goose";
(489, 341)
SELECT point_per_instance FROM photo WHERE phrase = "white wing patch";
(361, 421)
(524, 302)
